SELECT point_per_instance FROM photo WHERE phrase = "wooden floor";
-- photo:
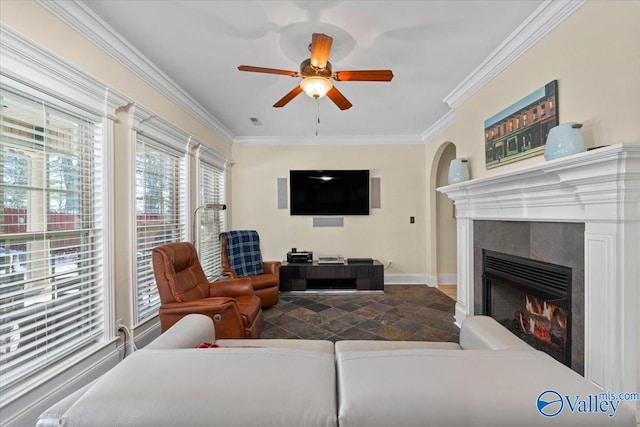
(449, 290)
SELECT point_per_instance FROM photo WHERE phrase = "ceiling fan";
(316, 73)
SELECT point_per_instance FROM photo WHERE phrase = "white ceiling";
(431, 46)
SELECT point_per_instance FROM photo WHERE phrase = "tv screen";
(329, 192)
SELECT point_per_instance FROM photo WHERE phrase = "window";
(211, 222)
(51, 235)
(160, 214)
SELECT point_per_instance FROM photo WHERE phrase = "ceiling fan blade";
(288, 97)
(364, 76)
(338, 98)
(320, 48)
(267, 70)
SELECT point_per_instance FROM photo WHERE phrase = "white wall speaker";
(336, 221)
(282, 193)
(375, 193)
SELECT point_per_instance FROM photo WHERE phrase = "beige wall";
(385, 234)
(595, 56)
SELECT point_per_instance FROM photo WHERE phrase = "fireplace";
(530, 298)
(599, 189)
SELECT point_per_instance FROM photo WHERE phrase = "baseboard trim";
(461, 314)
(409, 279)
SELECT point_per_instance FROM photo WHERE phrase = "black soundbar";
(359, 260)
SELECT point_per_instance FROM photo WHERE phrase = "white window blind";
(212, 222)
(160, 214)
(51, 235)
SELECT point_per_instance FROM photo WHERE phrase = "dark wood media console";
(314, 276)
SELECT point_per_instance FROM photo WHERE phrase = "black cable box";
(359, 260)
(294, 257)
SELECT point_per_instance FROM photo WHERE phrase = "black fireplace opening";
(530, 298)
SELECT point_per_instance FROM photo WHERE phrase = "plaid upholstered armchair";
(241, 257)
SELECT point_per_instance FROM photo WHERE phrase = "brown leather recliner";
(266, 285)
(184, 289)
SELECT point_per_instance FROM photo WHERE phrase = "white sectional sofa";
(490, 379)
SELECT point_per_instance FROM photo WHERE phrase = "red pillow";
(208, 345)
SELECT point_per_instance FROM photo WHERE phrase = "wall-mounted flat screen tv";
(329, 192)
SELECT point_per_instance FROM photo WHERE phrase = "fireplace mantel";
(600, 188)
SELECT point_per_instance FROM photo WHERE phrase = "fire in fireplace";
(532, 299)
(544, 321)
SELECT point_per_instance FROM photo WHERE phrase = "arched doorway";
(446, 228)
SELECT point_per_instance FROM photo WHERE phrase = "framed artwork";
(520, 130)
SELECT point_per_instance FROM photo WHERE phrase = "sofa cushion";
(480, 388)
(319, 346)
(243, 247)
(218, 386)
(376, 345)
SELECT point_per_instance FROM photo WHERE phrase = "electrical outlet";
(412, 220)
(119, 323)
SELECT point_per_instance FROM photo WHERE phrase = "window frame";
(208, 158)
(42, 300)
(156, 131)
(35, 72)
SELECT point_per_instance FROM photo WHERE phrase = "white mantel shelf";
(573, 189)
(600, 188)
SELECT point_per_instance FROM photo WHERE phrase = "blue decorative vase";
(458, 171)
(564, 140)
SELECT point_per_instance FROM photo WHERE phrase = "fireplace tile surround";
(596, 193)
(559, 243)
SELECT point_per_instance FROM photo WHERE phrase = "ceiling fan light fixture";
(316, 86)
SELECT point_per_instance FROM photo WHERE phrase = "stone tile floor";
(403, 312)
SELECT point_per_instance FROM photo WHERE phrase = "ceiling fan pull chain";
(317, 114)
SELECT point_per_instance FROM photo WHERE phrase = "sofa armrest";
(485, 333)
(188, 332)
(220, 309)
(271, 267)
(231, 273)
(231, 288)
(208, 305)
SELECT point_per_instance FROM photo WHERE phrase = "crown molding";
(440, 126)
(211, 156)
(83, 20)
(41, 70)
(330, 140)
(541, 22)
(148, 124)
